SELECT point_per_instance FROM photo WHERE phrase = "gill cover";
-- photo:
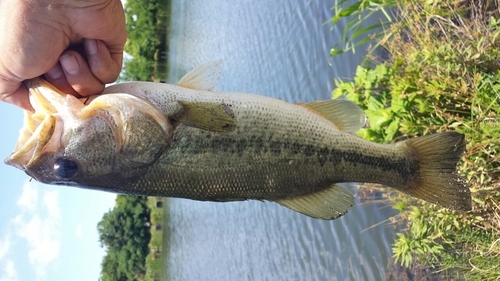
(60, 141)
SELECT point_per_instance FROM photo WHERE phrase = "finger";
(19, 97)
(57, 78)
(104, 66)
(79, 75)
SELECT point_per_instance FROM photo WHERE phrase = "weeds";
(354, 31)
(443, 74)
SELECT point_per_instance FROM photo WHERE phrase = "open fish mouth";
(48, 128)
(36, 135)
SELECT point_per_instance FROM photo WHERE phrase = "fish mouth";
(39, 127)
(48, 129)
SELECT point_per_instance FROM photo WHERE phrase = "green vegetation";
(359, 12)
(442, 74)
(124, 233)
(133, 236)
(154, 260)
(147, 24)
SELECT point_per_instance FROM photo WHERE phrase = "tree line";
(124, 232)
(147, 23)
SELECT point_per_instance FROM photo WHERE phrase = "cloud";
(9, 272)
(29, 197)
(4, 246)
(40, 224)
(51, 200)
(79, 230)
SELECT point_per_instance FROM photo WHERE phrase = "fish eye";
(65, 168)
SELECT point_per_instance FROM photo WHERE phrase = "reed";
(441, 73)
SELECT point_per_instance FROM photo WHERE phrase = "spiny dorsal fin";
(215, 117)
(345, 114)
(327, 204)
(205, 77)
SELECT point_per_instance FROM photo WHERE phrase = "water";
(279, 49)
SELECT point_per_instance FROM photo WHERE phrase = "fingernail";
(91, 46)
(55, 73)
(70, 64)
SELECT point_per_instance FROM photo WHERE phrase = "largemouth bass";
(187, 140)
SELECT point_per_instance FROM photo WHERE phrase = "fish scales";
(278, 150)
(189, 141)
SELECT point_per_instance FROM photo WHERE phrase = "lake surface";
(278, 49)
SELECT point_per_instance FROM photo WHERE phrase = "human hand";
(36, 35)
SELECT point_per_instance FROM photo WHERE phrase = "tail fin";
(438, 180)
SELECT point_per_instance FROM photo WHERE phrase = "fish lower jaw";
(31, 142)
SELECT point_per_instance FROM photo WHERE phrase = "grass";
(442, 74)
(154, 260)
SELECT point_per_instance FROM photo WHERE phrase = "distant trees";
(124, 233)
(147, 28)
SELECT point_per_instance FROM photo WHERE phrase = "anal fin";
(327, 204)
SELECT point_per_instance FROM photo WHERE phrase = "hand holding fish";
(41, 37)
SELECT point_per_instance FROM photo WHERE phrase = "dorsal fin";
(327, 204)
(345, 114)
(204, 77)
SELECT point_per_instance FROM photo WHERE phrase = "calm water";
(278, 49)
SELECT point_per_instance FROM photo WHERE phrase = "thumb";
(15, 93)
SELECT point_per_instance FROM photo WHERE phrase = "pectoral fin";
(327, 204)
(345, 114)
(215, 117)
(204, 77)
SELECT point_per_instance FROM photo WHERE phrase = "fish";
(187, 140)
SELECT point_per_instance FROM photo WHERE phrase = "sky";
(46, 232)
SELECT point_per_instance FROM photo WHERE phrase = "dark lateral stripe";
(404, 167)
(258, 145)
